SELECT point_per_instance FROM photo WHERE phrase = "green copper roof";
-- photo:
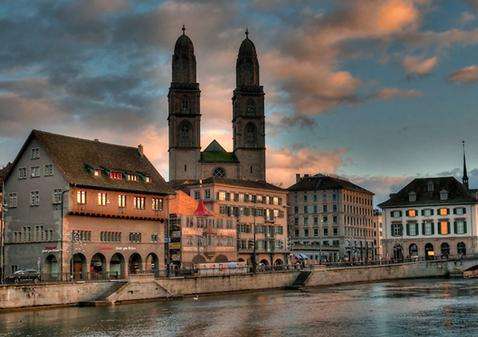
(215, 153)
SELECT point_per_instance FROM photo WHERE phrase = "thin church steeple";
(465, 173)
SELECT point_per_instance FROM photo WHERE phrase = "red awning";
(201, 210)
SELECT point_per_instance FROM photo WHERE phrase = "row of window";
(268, 245)
(110, 236)
(347, 198)
(243, 197)
(269, 214)
(157, 204)
(117, 175)
(35, 171)
(442, 227)
(326, 243)
(325, 220)
(209, 240)
(107, 236)
(247, 228)
(38, 235)
(411, 213)
(209, 222)
(314, 197)
(315, 232)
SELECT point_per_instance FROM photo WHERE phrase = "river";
(427, 307)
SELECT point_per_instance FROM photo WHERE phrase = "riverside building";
(430, 218)
(330, 219)
(258, 210)
(84, 208)
(197, 235)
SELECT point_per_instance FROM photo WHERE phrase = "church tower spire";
(465, 173)
(184, 116)
(248, 114)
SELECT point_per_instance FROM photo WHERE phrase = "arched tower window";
(219, 172)
(185, 105)
(250, 134)
(251, 107)
(185, 133)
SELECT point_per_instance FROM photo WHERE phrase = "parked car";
(24, 276)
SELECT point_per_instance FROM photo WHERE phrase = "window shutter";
(417, 232)
(432, 211)
(455, 228)
(464, 210)
(448, 227)
(408, 229)
(423, 212)
(454, 210)
(439, 227)
(464, 227)
(423, 228)
(433, 228)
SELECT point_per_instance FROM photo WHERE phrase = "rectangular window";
(121, 201)
(22, 173)
(324, 208)
(221, 196)
(324, 219)
(443, 227)
(36, 153)
(460, 227)
(207, 194)
(316, 232)
(336, 231)
(131, 177)
(135, 237)
(157, 204)
(306, 232)
(428, 228)
(305, 197)
(12, 200)
(57, 193)
(428, 212)
(35, 171)
(154, 238)
(411, 213)
(34, 198)
(396, 214)
(81, 197)
(197, 195)
(102, 199)
(443, 211)
(397, 229)
(115, 175)
(412, 229)
(48, 170)
(459, 210)
(326, 231)
(139, 202)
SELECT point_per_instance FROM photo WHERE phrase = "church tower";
(184, 117)
(248, 114)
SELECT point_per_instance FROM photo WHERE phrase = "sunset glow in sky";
(378, 91)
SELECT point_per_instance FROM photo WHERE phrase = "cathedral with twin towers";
(186, 160)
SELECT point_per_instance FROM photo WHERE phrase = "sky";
(377, 91)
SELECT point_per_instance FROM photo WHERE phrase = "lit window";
(122, 201)
(412, 213)
(443, 211)
(158, 204)
(139, 202)
(81, 197)
(132, 177)
(147, 179)
(102, 199)
(444, 227)
(97, 173)
(116, 175)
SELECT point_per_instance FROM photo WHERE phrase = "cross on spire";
(247, 33)
(184, 30)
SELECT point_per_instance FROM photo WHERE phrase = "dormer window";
(116, 175)
(96, 173)
(147, 179)
(412, 196)
(132, 177)
(443, 195)
(430, 186)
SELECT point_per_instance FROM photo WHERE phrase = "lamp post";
(254, 257)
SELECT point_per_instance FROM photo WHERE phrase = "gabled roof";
(201, 210)
(215, 153)
(457, 193)
(74, 156)
(226, 181)
(3, 173)
(320, 182)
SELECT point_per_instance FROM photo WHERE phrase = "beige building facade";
(258, 210)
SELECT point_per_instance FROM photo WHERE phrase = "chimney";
(297, 177)
(140, 150)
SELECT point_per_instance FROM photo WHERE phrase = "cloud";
(390, 93)
(466, 17)
(382, 186)
(466, 75)
(416, 66)
(284, 163)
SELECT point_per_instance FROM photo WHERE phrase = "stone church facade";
(186, 160)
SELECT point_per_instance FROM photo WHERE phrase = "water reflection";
(431, 307)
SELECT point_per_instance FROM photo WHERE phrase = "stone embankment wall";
(18, 296)
(144, 288)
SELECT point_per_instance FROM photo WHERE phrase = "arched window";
(251, 107)
(185, 105)
(185, 133)
(250, 133)
(219, 172)
(413, 250)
